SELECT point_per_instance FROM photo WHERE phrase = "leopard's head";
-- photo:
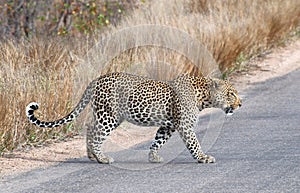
(224, 96)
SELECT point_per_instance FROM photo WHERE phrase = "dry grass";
(54, 72)
(228, 29)
(33, 71)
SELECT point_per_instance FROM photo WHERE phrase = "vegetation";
(32, 18)
(45, 49)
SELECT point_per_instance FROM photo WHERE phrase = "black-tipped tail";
(31, 107)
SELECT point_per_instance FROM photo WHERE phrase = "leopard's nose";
(240, 104)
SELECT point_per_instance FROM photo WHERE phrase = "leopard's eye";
(233, 94)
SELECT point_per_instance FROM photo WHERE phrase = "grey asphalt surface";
(257, 150)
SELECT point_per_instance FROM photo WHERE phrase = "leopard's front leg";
(188, 136)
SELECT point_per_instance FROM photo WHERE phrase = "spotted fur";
(170, 105)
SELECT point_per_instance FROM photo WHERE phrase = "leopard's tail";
(84, 101)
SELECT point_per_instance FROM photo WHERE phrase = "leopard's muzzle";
(228, 110)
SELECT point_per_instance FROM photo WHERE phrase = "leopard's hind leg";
(106, 120)
(98, 135)
(89, 140)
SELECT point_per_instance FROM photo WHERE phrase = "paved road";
(258, 150)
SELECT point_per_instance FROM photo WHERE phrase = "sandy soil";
(277, 63)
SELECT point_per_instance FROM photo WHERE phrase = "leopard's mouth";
(228, 110)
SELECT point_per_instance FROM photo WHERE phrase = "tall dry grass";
(228, 29)
(40, 71)
(55, 71)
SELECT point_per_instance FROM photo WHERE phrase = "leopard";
(171, 106)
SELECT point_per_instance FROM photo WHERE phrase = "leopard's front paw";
(206, 159)
(104, 159)
(154, 157)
